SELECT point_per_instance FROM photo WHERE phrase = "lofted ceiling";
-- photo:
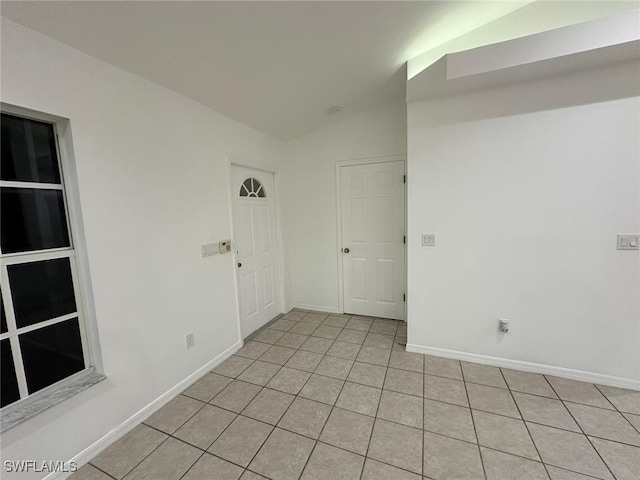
(274, 66)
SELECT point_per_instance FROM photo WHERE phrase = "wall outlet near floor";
(503, 325)
(190, 340)
(629, 242)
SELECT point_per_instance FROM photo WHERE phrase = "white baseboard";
(92, 450)
(579, 375)
(317, 308)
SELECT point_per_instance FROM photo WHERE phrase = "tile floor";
(317, 396)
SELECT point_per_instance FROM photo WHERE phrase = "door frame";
(349, 163)
(269, 168)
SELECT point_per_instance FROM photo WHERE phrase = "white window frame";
(77, 254)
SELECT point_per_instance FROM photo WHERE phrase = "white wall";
(153, 186)
(526, 187)
(309, 197)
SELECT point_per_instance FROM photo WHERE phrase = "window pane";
(3, 324)
(51, 354)
(9, 392)
(41, 290)
(33, 219)
(28, 151)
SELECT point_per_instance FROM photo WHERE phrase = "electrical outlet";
(503, 325)
(428, 239)
(190, 340)
(629, 242)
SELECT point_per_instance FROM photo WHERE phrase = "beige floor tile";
(367, 374)
(278, 355)
(603, 423)
(352, 336)
(207, 387)
(385, 328)
(268, 335)
(122, 456)
(525, 382)
(445, 390)
(322, 389)
(240, 442)
(442, 367)
(359, 398)
(289, 380)
(407, 361)
(89, 472)
(397, 445)
(305, 417)
(259, 373)
(401, 408)
(236, 396)
(334, 321)
(374, 470)
(348, 430)
(623, 460)
(378, 340)
(170, 461)
(502, 466)
(283, 324)
(315, 318)
(376, 356)
(560, 474)
(268, 406)
(295, 315)
(633, 419)
(546, 411)
(446, 458)
(505, 434)
(283, 456)
(325, 331)
(292, 340)
(627, 401)
(307, 361)
(233, 366)
(404, 381)
(450, 420)
(205, 426)
(483, 374)
(578, 392)
(317, 345)
(209, 466)
(175, 413)
(491, 399)
(348, 351)
(252, 349)
(568, 450)
(330, 463)
(334, 367)
(304, 328)
(360, 324)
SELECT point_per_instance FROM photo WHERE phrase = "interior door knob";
(345, 250)
(239, 264)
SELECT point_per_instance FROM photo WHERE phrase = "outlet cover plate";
(629, 242)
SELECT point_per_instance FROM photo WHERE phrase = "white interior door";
(373, 250)
(256, 250)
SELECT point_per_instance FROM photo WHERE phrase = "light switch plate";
(224, 246)
(629, 242)
(428, 239)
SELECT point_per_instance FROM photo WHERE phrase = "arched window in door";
(252, 187)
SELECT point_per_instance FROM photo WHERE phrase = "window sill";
(18, 413)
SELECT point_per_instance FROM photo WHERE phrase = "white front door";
(373, 250)
(254, 228)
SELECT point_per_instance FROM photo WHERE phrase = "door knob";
(345, 250)
(239, 264)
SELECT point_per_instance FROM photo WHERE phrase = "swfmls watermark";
(45, 466)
